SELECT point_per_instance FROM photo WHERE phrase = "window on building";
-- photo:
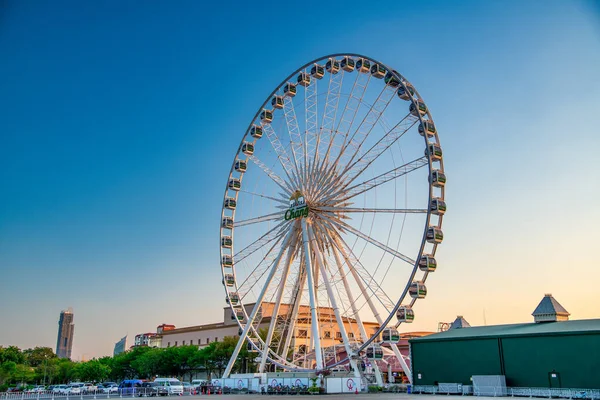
(199, 342)
(207, 340)
(302, 333)
(183, 343)
(338, 335)
(216, 339)
(302, 349)
(168, 344)
(175, 345)
(351, 335)
(327, 335)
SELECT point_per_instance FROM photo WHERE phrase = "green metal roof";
(581, 326)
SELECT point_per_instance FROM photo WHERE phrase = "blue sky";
(119, 121)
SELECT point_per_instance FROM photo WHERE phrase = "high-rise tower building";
(66, 327)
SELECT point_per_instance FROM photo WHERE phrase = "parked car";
(110, 387)
(174, 386)
(60, 389)
(73, 389)
(130, 386)
(151, 389)
(89, 387)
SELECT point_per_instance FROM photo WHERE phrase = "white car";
(60, 389)
(74, 389)
(112, 388)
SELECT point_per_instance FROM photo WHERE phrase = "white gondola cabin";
(378, 71)
(437, 206)
(405, 314)
(248, 148)
(233, 298)
(419, 108)
(317, 71)
(289, 89)
(332, 66)
(391, 79)
(363, 65)
(227, 260)
(374, 352)
(438, 178)
(417, 290)
(237, 314)
(240, 166)
(256, 131)
(234, 184)
(229, 280)
(390, 335)
(427, 126)
(253, 345)
(266, 116)
(348, 64)
(227, 222)
(230, 203)
(427, 263)
(303, 79)
(406, 93)
(435, 235)
(434, 151)
(226, 242)
(277, 101)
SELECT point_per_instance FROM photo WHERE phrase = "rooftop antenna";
(484, 320)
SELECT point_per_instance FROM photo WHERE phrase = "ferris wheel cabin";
(317, 71)
(266, 116)
(256, 131)
(390, 79)
(363, 65)
(348, 64)
(227, 222)
(438, 178)
(378, 71)
(427, 126)
(390, 335)
(434, 235)
(241, 165)
(405, 314)
(230, 203)
(234, 184)
(226, 242)
(303, 79)
(227, 260)
(229, 280)
(237, 314)
(417, 290)
(277, 102)
(332, 66)
(248, 148)
(427, 263)
(434, 151)
(420, 108)
(233, 298)
(374, 352)
(406, 93)
(437, 206)
(289, 90)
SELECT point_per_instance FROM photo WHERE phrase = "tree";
(11, 353)
(38, 355)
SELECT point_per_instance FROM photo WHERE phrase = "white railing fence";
(500, 391)
(88, 395)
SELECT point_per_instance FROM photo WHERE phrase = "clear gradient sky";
(119, 121)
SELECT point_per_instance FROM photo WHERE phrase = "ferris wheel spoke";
(296, 141)
(260, 242)
(282, 155)
(330, 112)
(257, 306)
(279, 200)
(311, 122)
(383, 144)
(372, 210)
(344, 226)
(379, 180)
(280, 182)
(291, 317)
(263, 218)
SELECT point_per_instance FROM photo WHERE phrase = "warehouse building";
(551, 352)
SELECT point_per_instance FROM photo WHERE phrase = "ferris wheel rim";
(413, 99)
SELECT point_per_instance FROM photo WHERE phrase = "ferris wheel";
(331, 217)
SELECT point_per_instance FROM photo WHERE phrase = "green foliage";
(374, 389)
(41, 366)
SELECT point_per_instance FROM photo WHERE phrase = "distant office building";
(66, 327)
(146, 339)
(121, 346)
(164, 328)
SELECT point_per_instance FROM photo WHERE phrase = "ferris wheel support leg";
(403, 363)
(311, 295)
(336, 310)
(256, 308)
(361, 286)
(286, 270)
(300, 287)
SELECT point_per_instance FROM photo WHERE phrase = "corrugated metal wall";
(525, 361)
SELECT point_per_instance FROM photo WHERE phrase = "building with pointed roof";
(550, 310)
(459, 322)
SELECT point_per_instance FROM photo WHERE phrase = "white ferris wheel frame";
(294, 172)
